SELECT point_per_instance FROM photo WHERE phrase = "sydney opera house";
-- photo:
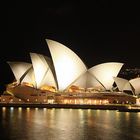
(63, 78)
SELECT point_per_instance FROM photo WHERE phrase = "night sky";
(98, 31)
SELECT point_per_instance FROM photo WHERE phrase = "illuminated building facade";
(64, 78)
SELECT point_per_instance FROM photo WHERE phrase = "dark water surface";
(68, 124)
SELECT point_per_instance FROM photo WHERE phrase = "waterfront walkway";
(119, 107)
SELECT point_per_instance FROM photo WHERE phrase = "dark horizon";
(97, 32)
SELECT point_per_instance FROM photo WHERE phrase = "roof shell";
(136, 85)
(20, 69)
(68, 65)
(105, 72)
(120, 82)
(43, 73)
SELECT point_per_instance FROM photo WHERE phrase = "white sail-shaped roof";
(19, 69)
(81, 81)
(52, 72)
(120, 82)
(128, 87)
(49, 79)
(105, 73)
(43, 74)
(68, 66)
(87, 80)
(92, 82)
(29, 77)
(136, 85)
(39, 66)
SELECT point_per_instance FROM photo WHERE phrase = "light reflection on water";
(67, 124)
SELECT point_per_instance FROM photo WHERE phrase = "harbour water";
(68, 124)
